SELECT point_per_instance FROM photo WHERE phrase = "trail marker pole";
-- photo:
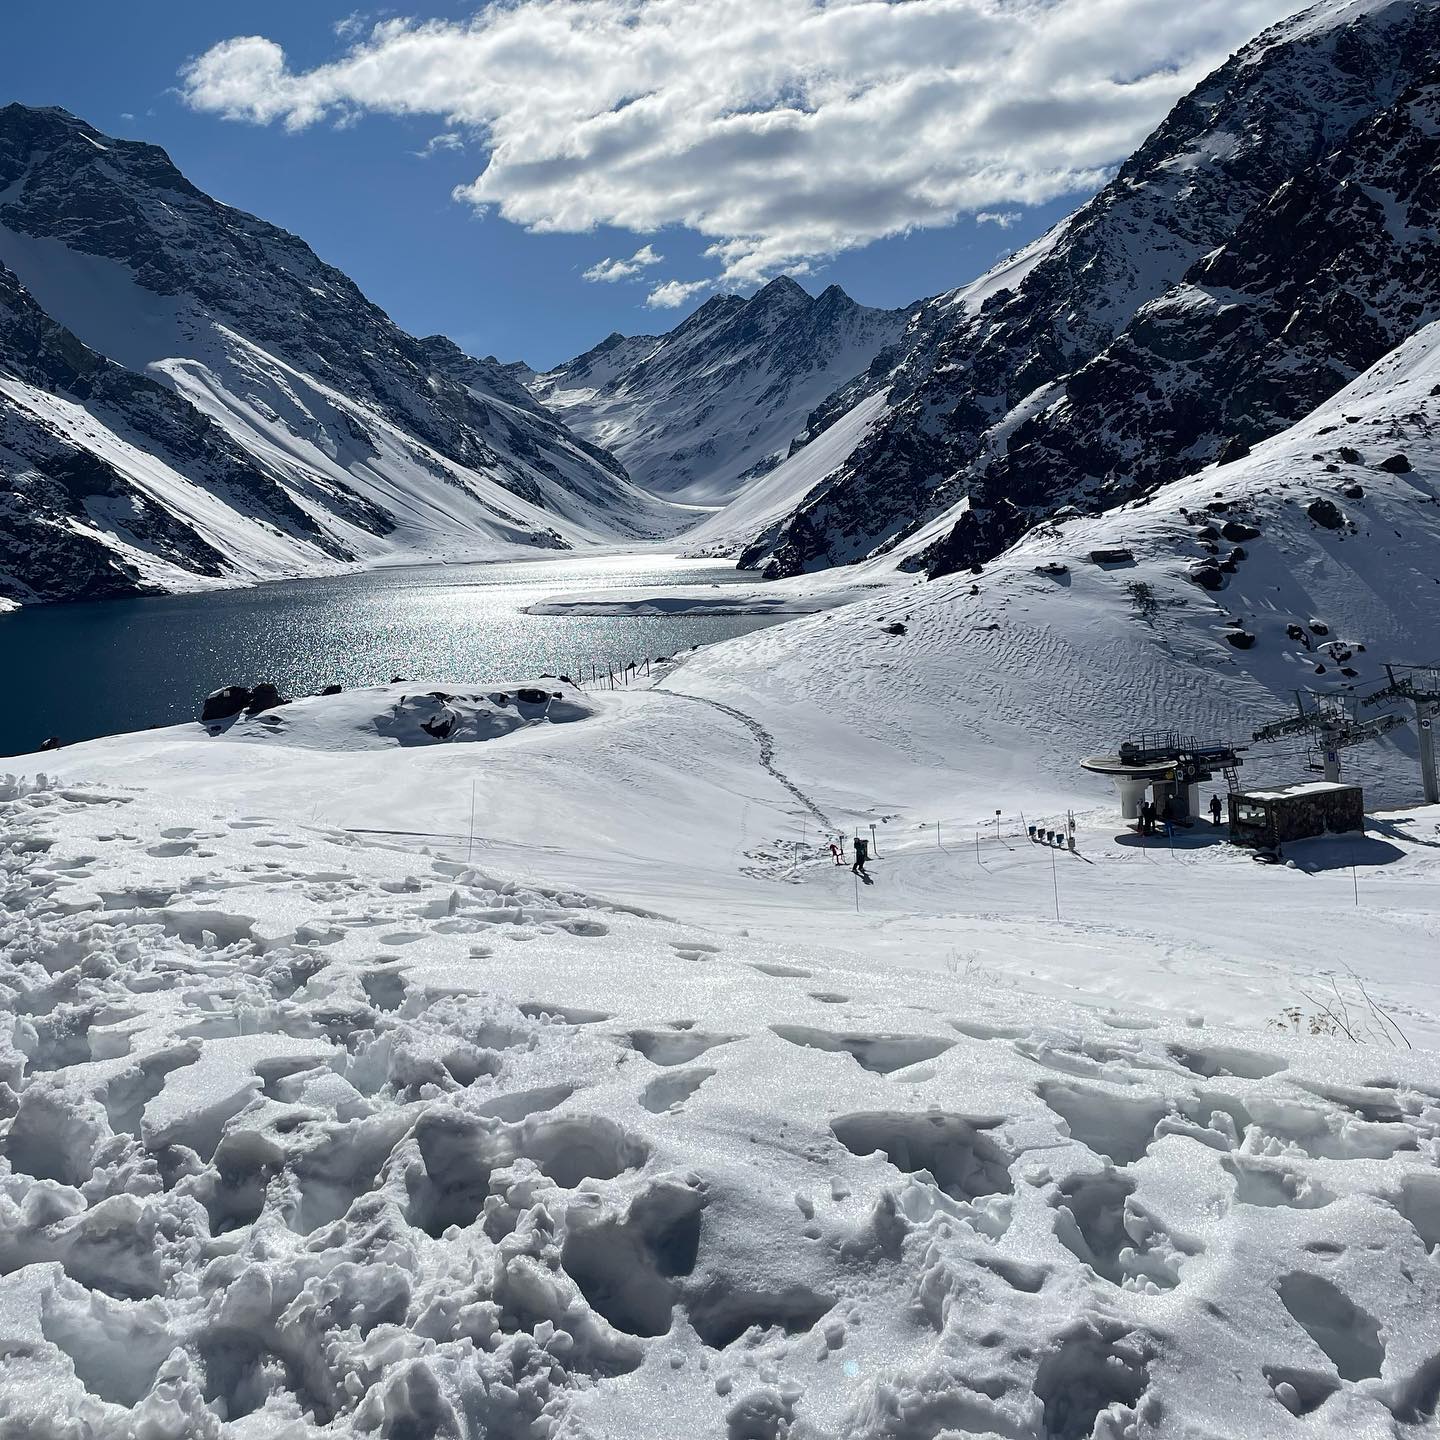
(977, 847)
(1355, 878)
(1055, 881)
(857, 894)
(874, 849)
(938, 845)
(997, 825)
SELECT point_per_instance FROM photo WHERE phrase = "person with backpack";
(862, 850)
(1215, 810)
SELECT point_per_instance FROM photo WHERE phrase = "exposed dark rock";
(1325, 513)
(331, 690)
(529, 695)
(1240, 639)
(1233, 448)
(1354, 492)
(264, 696)
(1349, 454)
(223, 703)
(1207, 574)
(1239, 530)
(1396, 464)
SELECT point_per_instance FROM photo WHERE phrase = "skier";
(835, 851)
(1167, 816)
(1215, 810)
(1147, 817)
(862, 848)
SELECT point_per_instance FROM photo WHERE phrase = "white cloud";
(450, 140)
(608, 270)
(1003, 218)
(672, 293)
(781, 130)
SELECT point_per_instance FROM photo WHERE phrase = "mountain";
(699, 412)
(189, 396)
(1310, 563)
(985, 361)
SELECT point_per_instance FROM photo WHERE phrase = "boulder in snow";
(221, 704)
(263, 697)
(1207, 575)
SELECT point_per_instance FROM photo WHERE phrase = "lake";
(97, 668)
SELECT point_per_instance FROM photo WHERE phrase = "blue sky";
(345, 172)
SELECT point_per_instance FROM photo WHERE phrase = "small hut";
(1266, 819)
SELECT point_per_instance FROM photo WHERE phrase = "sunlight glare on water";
(77, 671)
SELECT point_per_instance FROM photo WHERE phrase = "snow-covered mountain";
(698, 413)
(984, 361)
(260, 416)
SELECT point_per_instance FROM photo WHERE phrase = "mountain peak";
(782, 287)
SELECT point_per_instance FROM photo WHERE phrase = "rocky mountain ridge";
(982, 364)
(697, 413)
(299, 428)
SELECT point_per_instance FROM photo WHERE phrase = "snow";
(627, 1113)
(1291, 792)
(768, 499)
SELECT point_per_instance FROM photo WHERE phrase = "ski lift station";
(1167, 765)
(1266, 819)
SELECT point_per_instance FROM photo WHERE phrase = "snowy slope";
(357, 1083)
(697, 413)
(381, 443)
(770, 498)
(1288, 98)
(1024, 672)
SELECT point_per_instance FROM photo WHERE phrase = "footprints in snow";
(666, 1092)
(675, 1047)
(954, 1150)
(462, 1154)
(881, 1054)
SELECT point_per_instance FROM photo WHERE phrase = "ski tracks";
(766, 742)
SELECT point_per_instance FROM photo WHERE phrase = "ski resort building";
(1266, 819)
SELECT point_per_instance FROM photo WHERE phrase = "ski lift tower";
(1419, 684)
(1332, 724)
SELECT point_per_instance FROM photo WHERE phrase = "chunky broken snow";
(308, 1136)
